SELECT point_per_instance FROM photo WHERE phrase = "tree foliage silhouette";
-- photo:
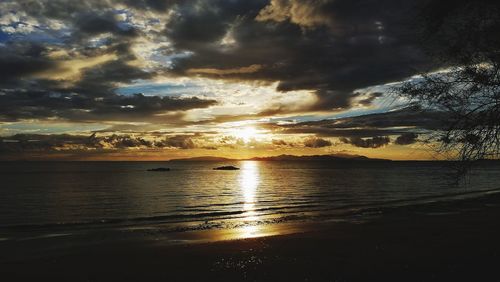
(462, 38)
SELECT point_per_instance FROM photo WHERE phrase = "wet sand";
(444, 241)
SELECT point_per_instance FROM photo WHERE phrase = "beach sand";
(445, 241)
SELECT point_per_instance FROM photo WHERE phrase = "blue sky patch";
(160, 89)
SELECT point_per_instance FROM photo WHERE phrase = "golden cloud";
(250, 69)
(71, 70)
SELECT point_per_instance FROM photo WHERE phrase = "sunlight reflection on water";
(249, 183)
(258, 200)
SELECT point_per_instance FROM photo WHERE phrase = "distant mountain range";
(204, 159)
(321, 158)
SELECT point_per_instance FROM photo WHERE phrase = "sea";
(40, 200)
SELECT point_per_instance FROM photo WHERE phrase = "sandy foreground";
(446, 241)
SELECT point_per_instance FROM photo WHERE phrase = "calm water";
(89, 195)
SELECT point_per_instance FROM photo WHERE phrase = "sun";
(247, 134)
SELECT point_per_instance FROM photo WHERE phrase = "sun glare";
(247, 134)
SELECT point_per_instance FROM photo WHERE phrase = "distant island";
(227, 167)
(159, 169)
(319, 158)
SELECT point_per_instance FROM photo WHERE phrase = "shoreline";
(435, 241)
(213, 230)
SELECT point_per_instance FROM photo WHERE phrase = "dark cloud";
(91, 98)
(61, 142)
(94, 24)
(301, 12)
(121, 142)
(39, 142)
(155, 5)
(199, 24)
(406, 139)
(368, 100)
(348, 45)
(18, 59)
(92, 95)
(67, 142)
(101, 80)
(178, 141)
(390, 123)
(209, 148)
(279, 142)
(375, 142)
(331, 47)
(60, 9)
(317, 143)
(18, 105)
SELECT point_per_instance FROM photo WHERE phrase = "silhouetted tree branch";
(463, 40)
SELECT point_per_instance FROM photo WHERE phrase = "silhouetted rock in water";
(159, 169)
(229, 167)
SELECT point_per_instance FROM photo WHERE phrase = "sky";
(165, 79)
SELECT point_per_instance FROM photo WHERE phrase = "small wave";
(121, 220)
(45, 236)
(318, 206)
